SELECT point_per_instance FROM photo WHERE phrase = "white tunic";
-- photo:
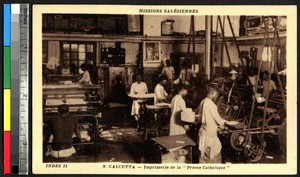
(160, 93)
(86, 79)
(210, 119)
(137, 88)
(176, 126)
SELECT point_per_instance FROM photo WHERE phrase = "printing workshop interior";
(164, 88)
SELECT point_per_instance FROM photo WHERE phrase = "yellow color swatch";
(7, 110)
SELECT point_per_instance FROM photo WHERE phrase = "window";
(75, 54)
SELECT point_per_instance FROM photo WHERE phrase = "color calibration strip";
(16, 92)
(7, 88)
(24, 89)
(14, 85)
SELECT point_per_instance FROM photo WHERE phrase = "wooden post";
(208, 46)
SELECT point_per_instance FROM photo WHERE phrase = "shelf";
(90, 37)
(139, 38)
(69, 97)
(122, 38)
(70, 87)
(260, 36)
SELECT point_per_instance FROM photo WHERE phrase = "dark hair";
(213, 87)
(64, 108)
(253, 71)
(138, 74)
(266, 72)
(168, 62)
(181, 87)
(162, 77)
(83, 66)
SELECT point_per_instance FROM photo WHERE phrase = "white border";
(97, 168)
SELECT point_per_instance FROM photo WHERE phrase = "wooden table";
(155, 111)
(170, 144)
(159, 106)
(174, 142)
(142, 96)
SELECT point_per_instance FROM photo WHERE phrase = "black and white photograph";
(152, 52)
(164, 89)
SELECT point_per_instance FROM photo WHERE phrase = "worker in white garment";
(85, 79)
(177, 106)
(137, 88)
(209, 143)
(159, 91)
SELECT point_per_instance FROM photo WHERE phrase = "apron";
(209, 144)
(207, 141)
(176, 127)
(135, 109)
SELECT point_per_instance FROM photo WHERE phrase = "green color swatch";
(6, 72)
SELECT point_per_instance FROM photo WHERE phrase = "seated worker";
(92, 70)
(137, 88)
(159, 91)
(209, 143)
(177, 106)
(85, 79)
(185, 73)
(62, 129)
(73, 68)
(267, 89)
(168, 71)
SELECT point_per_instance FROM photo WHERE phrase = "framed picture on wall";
(152, 52)
(135, 24)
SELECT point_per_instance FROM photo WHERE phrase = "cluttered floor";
(121, 142)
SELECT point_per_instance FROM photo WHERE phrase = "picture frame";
(151, 52)
(135, 24)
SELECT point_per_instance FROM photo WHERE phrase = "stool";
(150, 131)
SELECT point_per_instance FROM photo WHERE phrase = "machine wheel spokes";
(238, 140)
(254, 152)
